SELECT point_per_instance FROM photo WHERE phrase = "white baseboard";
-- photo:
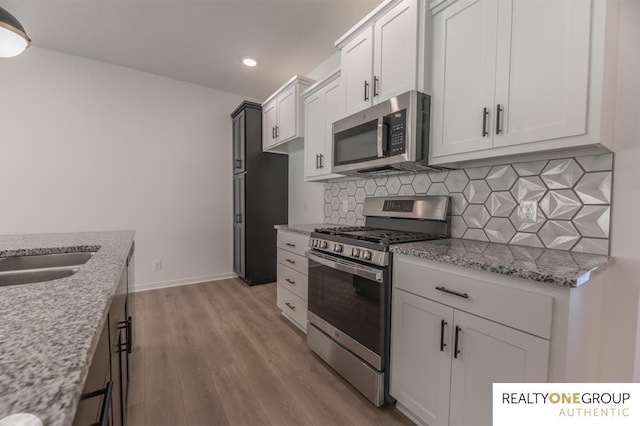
(186, 281)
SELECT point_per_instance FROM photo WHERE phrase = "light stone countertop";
(558, 267)
(49, 330)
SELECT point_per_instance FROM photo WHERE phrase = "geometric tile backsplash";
(572, 195)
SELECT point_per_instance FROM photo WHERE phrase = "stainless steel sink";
(35, 276)
(17, 270)
(40, 261)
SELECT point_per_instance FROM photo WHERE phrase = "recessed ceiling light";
(250, 62)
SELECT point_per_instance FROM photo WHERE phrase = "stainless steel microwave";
(389, 136)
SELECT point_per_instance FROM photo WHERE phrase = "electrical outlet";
(157, 265)
(528, 211)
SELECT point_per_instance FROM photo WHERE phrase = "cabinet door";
(286, 124)
(490, 353)
(239, 143)
(543, 70)
(239, 224)
(464, 76)
(269, 119)
(333, 111)
(356, 72)
(420, 368)
(396, 51)
(314, 133)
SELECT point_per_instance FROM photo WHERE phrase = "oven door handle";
(371, 274)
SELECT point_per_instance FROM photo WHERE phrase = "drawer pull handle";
(290, 306)
(291, 261)
(455, 293)
(289, 244)
(456, 351)
(442, 343)
(290, 281)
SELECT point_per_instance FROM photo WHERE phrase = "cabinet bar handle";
(238, 164)
(289, 244)
(455, 293)
(485, 116)
(376, 82)
(290, 281)
(291, 261)
(321, 157)
(290, 306)
(106, 401)
(498, 116)
(442, 343)
(273, 133)
(317, 161)
(277, 131)
(366, 90)
(456, 351)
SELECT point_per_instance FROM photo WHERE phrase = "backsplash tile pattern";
(573, 197)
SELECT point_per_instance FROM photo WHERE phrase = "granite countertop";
(305, 228)
(49, 330)
(558, 267)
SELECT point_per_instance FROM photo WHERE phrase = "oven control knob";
(337, 248)
(355, 252)
(366, 254)
(314, 243)
(323, 244)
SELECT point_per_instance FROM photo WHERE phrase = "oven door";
(348, 302)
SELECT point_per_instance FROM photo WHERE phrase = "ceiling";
(201, 42)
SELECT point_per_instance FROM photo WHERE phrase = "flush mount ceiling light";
(13, 38)
(250, 62)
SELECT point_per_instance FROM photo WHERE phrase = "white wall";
(622, 362)
(306, 199)
(90, 146)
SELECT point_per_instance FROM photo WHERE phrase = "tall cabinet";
(260, 197)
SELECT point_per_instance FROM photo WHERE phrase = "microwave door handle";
(361, 271)
(380, 137)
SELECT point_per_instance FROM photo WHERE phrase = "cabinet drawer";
(294, 261)
(292, 306)
(294, 281)
(524, 310)
(293, 242)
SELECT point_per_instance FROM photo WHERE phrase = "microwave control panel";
(396, 122)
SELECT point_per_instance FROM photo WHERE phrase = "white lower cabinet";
(293, 277)
(444, 358)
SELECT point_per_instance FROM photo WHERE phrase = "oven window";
(350, 303)
(356, 144)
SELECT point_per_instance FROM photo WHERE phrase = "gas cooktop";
(376, 235)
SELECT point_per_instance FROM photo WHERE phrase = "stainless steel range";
(350, 286)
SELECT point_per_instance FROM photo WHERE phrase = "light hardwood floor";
(220, 353)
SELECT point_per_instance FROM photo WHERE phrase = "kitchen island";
(49, 330)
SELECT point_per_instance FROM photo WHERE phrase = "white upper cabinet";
(323, 104)
(465, 55)
(357, 70)
(381, 56)
(395, 51)
(542, 80)
(514, 77)
(283, 118)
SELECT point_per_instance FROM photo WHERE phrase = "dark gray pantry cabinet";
(260, 197)
(105, 393)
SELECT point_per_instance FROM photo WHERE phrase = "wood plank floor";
(220, 353)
